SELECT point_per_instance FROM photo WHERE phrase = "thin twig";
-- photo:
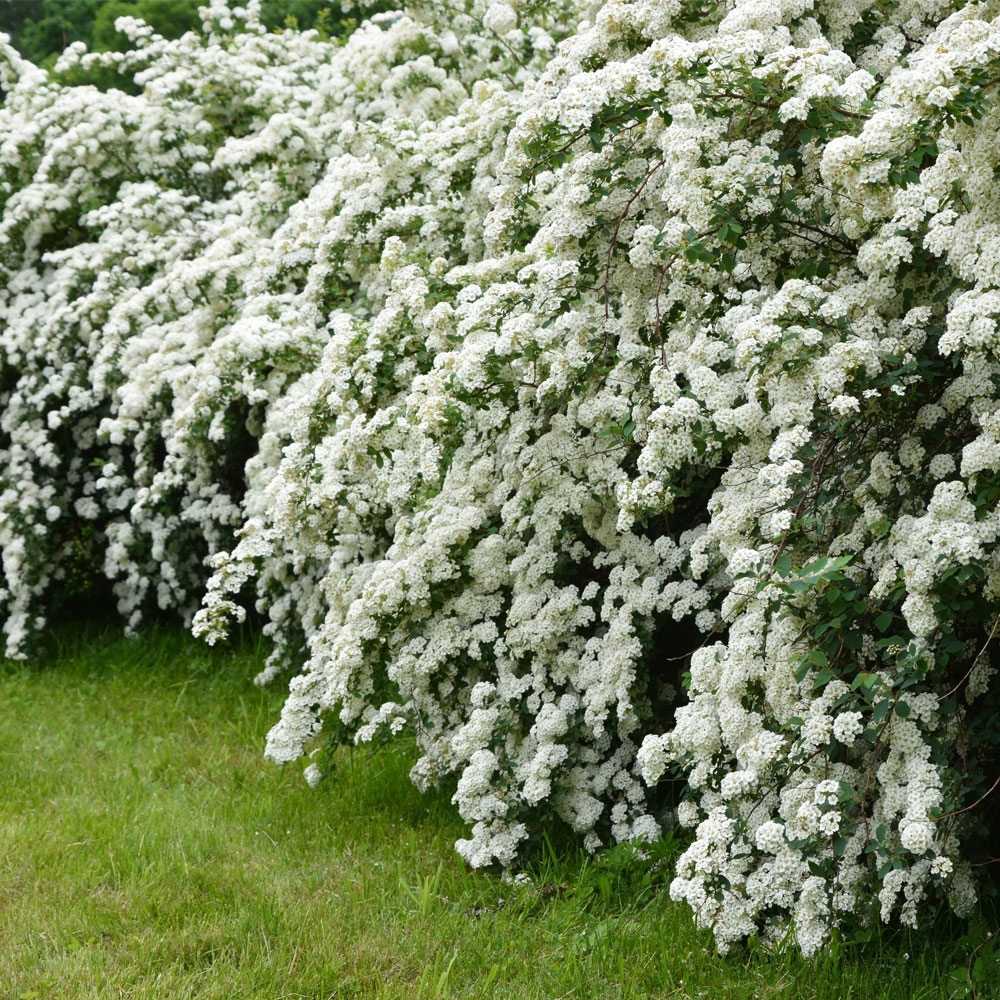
(972, 957)
(968, 672)
(955, 812)
(659, 288)
(603, 287)
(771, 106)
(576, 458)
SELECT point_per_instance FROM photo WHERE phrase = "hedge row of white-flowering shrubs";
(600, 391)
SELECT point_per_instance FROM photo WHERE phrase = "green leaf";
(864, 680)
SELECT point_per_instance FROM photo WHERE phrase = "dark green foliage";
(41, 29)
(15, 13)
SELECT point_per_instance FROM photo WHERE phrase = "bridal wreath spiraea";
(524, 361)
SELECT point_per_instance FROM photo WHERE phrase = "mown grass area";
(148, 851)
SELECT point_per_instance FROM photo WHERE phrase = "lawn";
(148, 851)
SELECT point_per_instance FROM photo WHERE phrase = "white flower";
(829, 823)
(499, 17)
(917, 836)
(942, 866)
(842, 405)
(847, 727)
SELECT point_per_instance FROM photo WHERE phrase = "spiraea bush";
(600, 391)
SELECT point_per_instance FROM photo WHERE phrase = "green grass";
(148, 851)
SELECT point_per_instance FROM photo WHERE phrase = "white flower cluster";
(512, 363)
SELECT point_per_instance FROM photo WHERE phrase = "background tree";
(42, 29)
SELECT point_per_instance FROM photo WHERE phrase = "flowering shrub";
(519, 361)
